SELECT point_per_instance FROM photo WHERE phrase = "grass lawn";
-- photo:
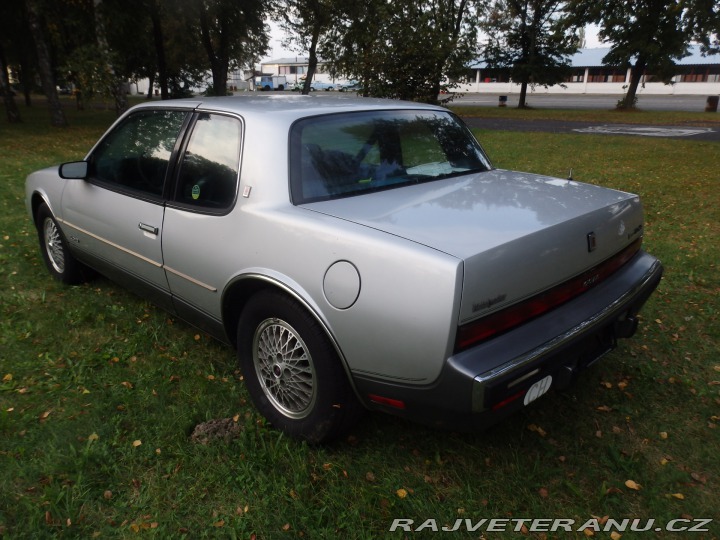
(99, 392)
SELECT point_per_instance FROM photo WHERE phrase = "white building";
(696, 74)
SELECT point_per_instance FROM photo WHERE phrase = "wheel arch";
(36, 201)
(240, 290)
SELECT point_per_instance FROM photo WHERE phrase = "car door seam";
(190, 279)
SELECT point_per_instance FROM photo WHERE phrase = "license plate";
(538, 389)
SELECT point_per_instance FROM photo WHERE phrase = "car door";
(115, 217)
(199, 228)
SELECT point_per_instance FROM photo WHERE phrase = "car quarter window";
(135, 154)
(340, 155)
(210, 164)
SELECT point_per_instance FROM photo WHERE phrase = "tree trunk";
(151, 83)
(26, 79)
(523, 95)
(159, 50)
(218, 66)
(57, 116)
(13, 115)
(312, 61)
(118, 84)
(636, 75)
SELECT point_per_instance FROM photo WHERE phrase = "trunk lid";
(518, 234)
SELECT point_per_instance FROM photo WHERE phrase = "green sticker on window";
(196, 192)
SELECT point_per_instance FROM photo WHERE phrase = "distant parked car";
(350, 86)
(355, 252)
(314, 86)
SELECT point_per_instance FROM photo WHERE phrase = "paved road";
(554, 126)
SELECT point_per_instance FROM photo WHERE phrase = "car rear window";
(342, 155)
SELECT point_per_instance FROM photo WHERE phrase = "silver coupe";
(357, 253)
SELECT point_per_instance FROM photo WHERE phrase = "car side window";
(210, 165)
(135, 155)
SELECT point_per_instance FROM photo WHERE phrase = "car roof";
(292, 106)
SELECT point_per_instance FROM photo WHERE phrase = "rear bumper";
(485, 383)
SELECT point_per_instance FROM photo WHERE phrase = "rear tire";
(292, 370)
(61, 264)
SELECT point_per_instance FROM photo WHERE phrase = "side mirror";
(76, 170)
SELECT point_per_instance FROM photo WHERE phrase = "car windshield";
(342, 155)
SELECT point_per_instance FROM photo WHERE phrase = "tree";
(703, 24)
(47, 75)
(11, 110)
(645, 35)
(306, 22)
(527, 38)
(17, 46)
(404, 49)
(232, 34)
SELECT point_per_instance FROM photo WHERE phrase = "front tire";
(292, 370)
(59, 261)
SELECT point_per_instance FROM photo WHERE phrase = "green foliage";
(232, 34)
(88, 68)
(703, 23)
(403, 49)
(647, 35)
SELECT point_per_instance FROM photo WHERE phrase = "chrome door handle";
(148, 228)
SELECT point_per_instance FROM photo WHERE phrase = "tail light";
(496, 323)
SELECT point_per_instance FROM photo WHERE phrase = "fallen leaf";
(604, 408)
(136, 443)
(543, 492)
(589, 532)
(402, 493)
(615, 535)
(678, 496)
(93, 437)
(7, 378)
(370, 477)
(663, 435)
(631, 484)
(286, 527)
(220, 523)
(698, 477)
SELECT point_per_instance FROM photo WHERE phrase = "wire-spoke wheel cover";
(53, 245)
(284, 368)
